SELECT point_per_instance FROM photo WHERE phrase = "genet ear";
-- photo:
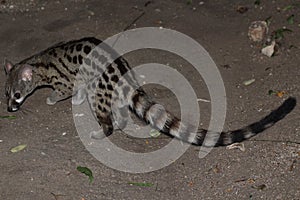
(7, 66)
(26, 72)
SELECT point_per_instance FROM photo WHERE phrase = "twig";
(57, 195)
(285, 141)
(128, 26)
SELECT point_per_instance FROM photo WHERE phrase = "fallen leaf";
(87, 172)
(287, 8)
(154, 133)
(141, 184)
(189, 2)
(249, 82)
(290, 19)
(280, 94)
(250, 180)
(18, 148)
(279, 33)
(8, 117)
(271, 92)
(257, 2)
(268, 20)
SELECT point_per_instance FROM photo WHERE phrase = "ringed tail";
(165, 122)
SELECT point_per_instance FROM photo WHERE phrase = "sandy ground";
(269, 168)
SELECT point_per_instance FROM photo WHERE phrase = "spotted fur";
(82, 69)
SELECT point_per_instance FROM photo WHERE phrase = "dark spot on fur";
(71, 49)
(75, 59)
(87, 61)
(93, 85)
(110, 69)
(116, 93)
(80, 59)
(62, 75)
(79, 47)
(66, 67)
(95, 54)
(94, 66)
(101, 86)
(69, 58)
(105, 77)
(121, 67)
(126, 90)
(110, 87)
(102, 59)
(114, 78)
(99, 69)
(107, 103)
(120, 83)
(87, 49)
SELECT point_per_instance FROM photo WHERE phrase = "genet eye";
(17, 95)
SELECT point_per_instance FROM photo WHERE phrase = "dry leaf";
(249, 82)
(280, 94)
(18, 148)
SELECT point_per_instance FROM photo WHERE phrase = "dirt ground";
(269, 168)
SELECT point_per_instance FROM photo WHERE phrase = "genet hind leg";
(107, 128)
